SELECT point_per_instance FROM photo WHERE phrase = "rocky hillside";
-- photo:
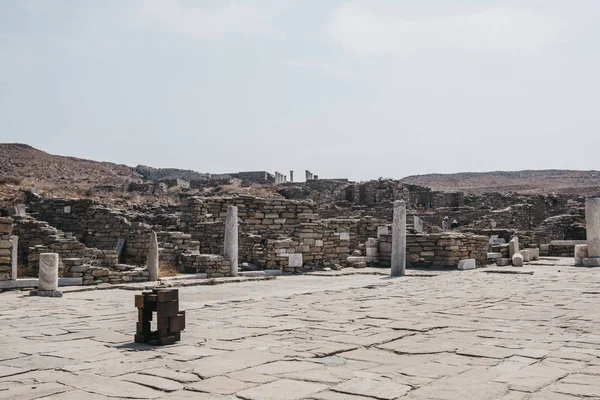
(530, 182)
(156, 174)
(21, 163)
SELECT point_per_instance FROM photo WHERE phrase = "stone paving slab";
(432, 335)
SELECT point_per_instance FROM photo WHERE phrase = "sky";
(357, 89)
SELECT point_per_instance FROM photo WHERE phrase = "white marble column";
(14, 257)
(153, 258)
(291, 176)
(48, 278)
(231, 238)
(399, 239)
(592, 226)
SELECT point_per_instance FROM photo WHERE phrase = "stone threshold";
(33, 283)
(171, 283)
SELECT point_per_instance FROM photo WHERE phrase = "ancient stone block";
(517, 260)
(466, 264)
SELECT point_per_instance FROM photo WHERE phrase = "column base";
(46, 293)
(591, 262)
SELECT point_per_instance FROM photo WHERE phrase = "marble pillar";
(399, 239)
(231, 238)
(592, 226)
(291, 176)
(14, 257)
(513, 246)
(153, 258)
(48, 279)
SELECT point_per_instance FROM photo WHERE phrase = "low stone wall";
(36, 237)
(6, 230)
(444, 250)
(266, 217)
(94, 275)
(560, 248)
(213, 266)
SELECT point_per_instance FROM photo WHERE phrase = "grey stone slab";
(379, 389)
(282, 367)
(6, 370)
(171, 374)
(187, 353)
(283, 389)
(582, 385)
(219, 385)
(487, 351)
(532, 378)
(76, 395)
(225, 363)
(153, 382)
(15, 391)
(111, 387)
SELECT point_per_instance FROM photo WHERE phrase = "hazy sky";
(358, 89)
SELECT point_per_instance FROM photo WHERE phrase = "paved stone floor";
(455, 335)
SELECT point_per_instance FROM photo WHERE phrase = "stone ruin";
(313, 225)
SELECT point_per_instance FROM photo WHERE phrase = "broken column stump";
(169, 320)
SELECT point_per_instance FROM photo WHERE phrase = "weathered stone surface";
(295, 260)
(284, 389)
(493, 256)
(153, 382)
(48, 280)
(399, 239)
(220, 385)
(580, 253)
(233, 361)
(464, 336)
(152, 258)
(517, 260)
(502, 262)
(513, 246)
(592, 226)
(591, 262)
(464, 265)
(231, 238)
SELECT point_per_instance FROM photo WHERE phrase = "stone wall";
(97, 226)
(444, 250)
(269, 218)
(214, 266)
(37, 237)
(6, 230)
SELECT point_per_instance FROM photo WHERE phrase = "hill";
(25, 164)
(528, 181)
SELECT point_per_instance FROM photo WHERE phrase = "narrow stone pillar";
(581, 252)
(231, 238)
(399, 239)
(285, 178)
(14, 257)
(291, 176)
(513, 246)
(153, 258)
(48, 280)
(592, 226)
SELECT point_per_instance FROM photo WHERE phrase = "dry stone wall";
(6, 230)
(444, 250)
(214, 266)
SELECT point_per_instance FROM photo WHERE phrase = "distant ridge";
(527, 181)
(23, 162)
